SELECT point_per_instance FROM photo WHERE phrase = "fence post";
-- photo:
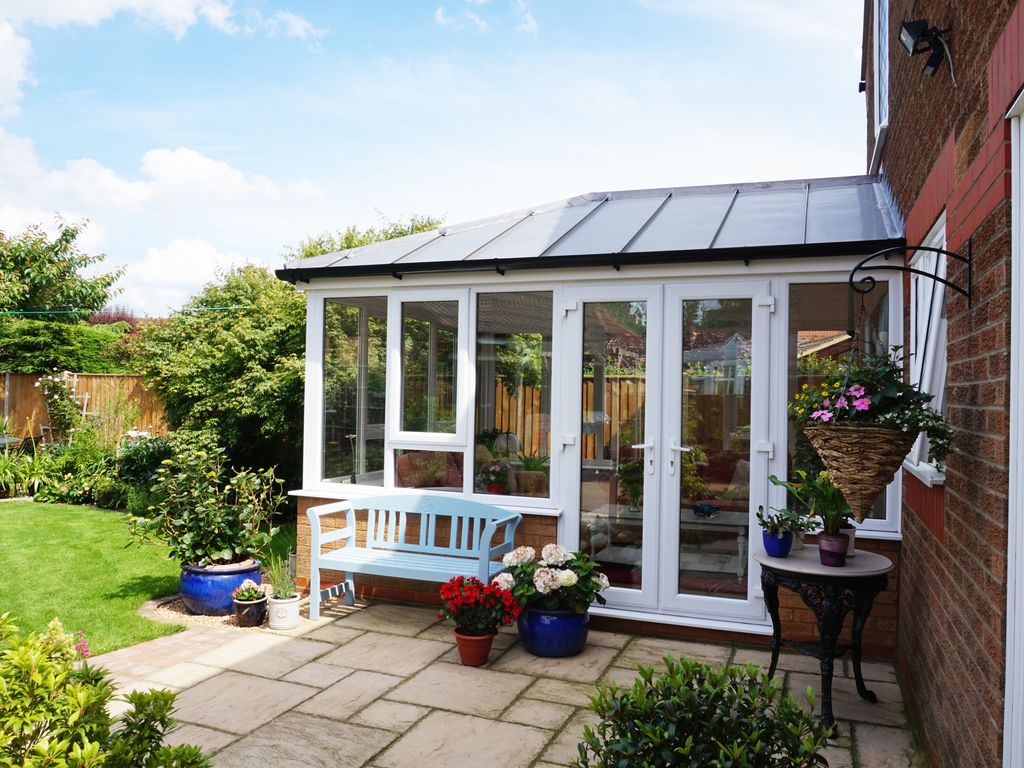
(7, 395)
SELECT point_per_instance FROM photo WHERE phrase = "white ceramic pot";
(798, 540)
(852, 533)
(283, 614)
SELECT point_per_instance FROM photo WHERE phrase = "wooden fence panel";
(25, 411)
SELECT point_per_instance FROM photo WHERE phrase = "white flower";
(556, 554)
(504, 580)
(518, 556)
(545, 580)
(602, 582)
(567, 578)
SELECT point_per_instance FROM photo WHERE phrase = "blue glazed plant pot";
(207, 592)
(777, 545)
(553, 633)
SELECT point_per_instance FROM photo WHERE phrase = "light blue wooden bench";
(468, 550)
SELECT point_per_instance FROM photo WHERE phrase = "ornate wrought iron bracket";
(866, 284)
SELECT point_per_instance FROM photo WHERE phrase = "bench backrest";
(390, 519)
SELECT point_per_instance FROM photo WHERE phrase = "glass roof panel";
(457, 246)
(385, 255)
(535, 234)
(836, 214)
(687, 222)
(612, 226)
(764, 217)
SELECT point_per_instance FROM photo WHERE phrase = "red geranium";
(477, 608)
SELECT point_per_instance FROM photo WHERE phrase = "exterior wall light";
(917, 37)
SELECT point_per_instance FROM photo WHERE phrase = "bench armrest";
(318, 537)
(487, 552)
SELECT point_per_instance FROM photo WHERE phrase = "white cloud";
(14, 53)
(187, 172)
(528, 24)
(439, 16)
(477, 2)
(481, 25)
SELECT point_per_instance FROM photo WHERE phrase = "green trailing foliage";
(53, 712)
(206, 518)
(696, 716)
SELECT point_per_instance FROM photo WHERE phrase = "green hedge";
(31, 346)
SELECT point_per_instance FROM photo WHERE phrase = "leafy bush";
(109, 492)
(695, 716)
(205, 518)
(141, 457)
(52, 714)
(31, 346)
(140, 499)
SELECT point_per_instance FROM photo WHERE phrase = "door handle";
(676, 449)
(650, 459)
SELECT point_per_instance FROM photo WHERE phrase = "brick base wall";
(878, 640)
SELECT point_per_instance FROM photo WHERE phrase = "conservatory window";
(513, 394)
(355, 367)
(430, 352)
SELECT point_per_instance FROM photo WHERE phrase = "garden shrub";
(696, 716)
(141, 457)
(109, 492)
(53, 712)
(31, 346)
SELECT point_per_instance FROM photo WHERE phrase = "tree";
(39, 276)
(351, 237)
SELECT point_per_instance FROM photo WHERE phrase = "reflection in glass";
(823, 320)
(436, 470)
(513, 394)
(355, 364)
(714, 474)
(612, 472)
(430, 348)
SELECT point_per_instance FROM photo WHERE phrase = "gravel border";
(172, 610)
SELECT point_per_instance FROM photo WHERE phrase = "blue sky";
(198, 133)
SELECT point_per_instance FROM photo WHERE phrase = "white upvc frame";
(891, 526)
(928, 366)
(1013, 707)
(881, 82)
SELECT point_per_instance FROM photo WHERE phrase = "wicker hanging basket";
(861, 459)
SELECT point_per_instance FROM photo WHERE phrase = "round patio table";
(830, 593)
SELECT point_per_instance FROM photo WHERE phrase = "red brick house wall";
(948, 148)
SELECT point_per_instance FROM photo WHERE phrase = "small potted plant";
(825, 501)
(555, 593)
(477, 610)
(250, 604)
(493, 478)
(778, 531)
(631, 475)
(283, 603)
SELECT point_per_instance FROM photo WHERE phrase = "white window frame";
(881, 89)
(927, 343)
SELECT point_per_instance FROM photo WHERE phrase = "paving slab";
(885, 747)
(874, 670)
(392, 654)
(651, 651)
(561, 692)
(839, 757)
(541, 714)
(623, 678)
(788, 662)
(335, 633)
(470, 690)
(391, 619)
(565, 747)
(588, 666)
(848, 705)
(345, 698)
(450, 740)
(238, 703)
(390, 715)
(184, 674)
(317, 674)
(267, 655)
(210, 740)
(607, 639)
(296, 739)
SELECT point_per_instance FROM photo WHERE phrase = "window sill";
(926, 473)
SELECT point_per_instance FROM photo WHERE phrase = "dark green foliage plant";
(696, 716)
(54, 712)
(141, 457)
(31, 346)
(205, 517)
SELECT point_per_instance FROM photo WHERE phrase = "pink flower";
(855, 391)
(841, 403)
(823, 415)
(863, 404)
(826, 403)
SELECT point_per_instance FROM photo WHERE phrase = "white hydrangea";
(556, 554)
(602, 582)
(546, 580)
(504, 580)
(567, 578)
(518, 556)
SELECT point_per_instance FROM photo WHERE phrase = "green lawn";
(79, 564)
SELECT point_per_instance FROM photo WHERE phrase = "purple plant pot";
(832, 549)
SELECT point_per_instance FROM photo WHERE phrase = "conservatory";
(616, 367)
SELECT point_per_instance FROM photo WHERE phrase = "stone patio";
(381, 686)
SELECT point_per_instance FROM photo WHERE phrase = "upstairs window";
(881, 65)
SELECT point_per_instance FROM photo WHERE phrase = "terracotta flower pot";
(473, 650)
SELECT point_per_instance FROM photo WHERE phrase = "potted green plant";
(825, 501)
(212, 524)
(555, 593)
(478, 610)
(631, 475)
(250, 604)
(864, 420)
(283, 603)
(493, 478)
(779, 530)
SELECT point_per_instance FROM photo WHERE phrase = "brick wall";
(878, 639)
(948, 149)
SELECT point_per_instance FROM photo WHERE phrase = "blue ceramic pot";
(553, 633)
(777, 545)
(208, 592)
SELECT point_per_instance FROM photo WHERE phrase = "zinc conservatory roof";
(802, 218)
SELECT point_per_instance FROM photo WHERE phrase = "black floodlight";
(912, 33)
(917, 37)
(932, 65)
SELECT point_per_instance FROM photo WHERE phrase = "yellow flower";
(805, 386)
(836, 384)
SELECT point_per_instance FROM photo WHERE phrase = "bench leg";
(314, 593)
(350, 589)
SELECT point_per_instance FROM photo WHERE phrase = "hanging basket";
(861, 459)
